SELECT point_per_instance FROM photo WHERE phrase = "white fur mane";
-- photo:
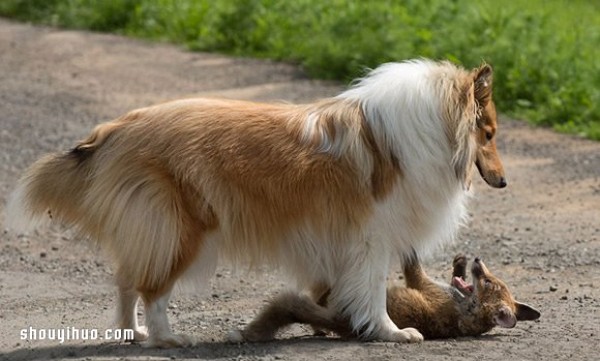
(406, 105)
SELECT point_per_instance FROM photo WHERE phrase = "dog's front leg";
(360, 294)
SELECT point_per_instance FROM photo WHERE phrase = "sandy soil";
(541, 233)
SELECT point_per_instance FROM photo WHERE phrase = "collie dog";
(436, 309)
(330, 191)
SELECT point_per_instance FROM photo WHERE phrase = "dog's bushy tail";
(105, 192)
(54, 186)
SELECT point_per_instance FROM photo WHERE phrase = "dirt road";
(541, 233)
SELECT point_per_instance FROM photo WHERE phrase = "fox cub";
(437, 310)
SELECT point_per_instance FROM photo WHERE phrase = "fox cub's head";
(489, 298)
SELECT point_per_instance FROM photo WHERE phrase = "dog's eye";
(489, 136)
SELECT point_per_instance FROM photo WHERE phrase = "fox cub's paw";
(460, 266)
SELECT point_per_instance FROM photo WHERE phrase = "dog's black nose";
(477, 260)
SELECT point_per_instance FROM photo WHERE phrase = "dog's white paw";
(140, 334)
(169, 341)
(235, 336)
(408, 335)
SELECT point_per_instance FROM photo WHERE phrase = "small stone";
(553, 288)
(43, 254)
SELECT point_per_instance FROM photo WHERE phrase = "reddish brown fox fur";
(436, 310)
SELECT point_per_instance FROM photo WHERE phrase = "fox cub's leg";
(460, 266)
(414, 274)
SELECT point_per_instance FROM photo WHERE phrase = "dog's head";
(487, 159)
(475, 133)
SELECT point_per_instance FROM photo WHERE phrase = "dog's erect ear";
(526, 313)
(483, 84)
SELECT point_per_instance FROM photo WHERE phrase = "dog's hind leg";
(156, 299)
(193, 245)
(159, 331)
(127, 312)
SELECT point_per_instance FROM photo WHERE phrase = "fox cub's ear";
(504, 317)
(526, 313)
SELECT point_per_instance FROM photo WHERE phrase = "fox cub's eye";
(489, 136)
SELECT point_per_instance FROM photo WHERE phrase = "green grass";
(546, 53)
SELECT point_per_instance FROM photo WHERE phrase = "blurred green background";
(546, 53)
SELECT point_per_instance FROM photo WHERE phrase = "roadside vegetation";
(546, 53)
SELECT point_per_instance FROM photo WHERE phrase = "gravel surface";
(541, 234)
